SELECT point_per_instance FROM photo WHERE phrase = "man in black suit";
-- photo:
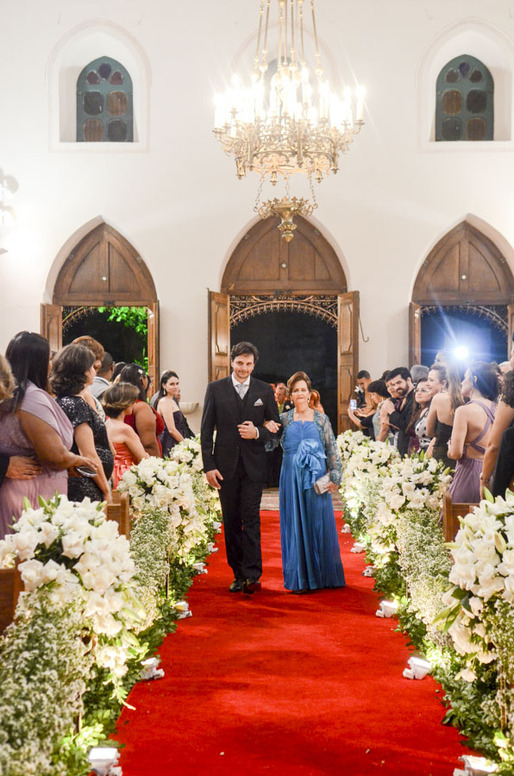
(236, 407)
(399, 408)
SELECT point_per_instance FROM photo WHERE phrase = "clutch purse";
(321, 485)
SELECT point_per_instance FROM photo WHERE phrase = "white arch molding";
(495, 49)
(98, 266)
(469, 266)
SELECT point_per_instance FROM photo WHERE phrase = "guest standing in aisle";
(234, 459)
(310, 547)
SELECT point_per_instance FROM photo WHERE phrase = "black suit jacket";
(223, 411)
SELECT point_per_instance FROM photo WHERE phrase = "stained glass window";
(104, 103)
(464, 101)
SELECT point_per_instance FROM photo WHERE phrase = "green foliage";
(133, 318)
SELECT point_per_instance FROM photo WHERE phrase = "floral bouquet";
(189, 452)
(75, 551)
(362, 481)
(164, 486)
(483, 578)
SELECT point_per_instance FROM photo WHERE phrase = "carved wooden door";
(51, 324)
(153, 346)
(347, 354)
(219, 335)
(414, 334)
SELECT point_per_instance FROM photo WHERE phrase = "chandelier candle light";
(291, 122)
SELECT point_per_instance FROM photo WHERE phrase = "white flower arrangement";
(165, 486)
(482, 575)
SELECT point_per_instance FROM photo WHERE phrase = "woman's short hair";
(69, 367)
(6, 379)
(118, 397)
(133, 373)
(379, 387)
(28, 355)
(296, 379)
(164, 379)
(485, 379)
(92, 344)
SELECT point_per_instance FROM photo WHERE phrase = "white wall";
(175, 196)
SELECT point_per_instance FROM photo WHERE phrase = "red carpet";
(286, 685)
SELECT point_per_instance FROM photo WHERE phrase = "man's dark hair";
(363, 374)
(107, 363)
(400, 371)
(379, 386)
(244, 349)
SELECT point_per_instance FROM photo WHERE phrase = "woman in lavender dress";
(33, 426)
(471, 429)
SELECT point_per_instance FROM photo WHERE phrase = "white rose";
(31, 572)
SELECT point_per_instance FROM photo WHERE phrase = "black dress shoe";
(236, 586)
(249, 588)
(302, 591)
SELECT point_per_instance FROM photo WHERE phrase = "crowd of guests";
(464, 420)
(73, 422)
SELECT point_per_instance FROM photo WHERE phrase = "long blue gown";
(310, 547)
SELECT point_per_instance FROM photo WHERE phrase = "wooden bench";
(10, 587)
(119, 512)
(451, 514)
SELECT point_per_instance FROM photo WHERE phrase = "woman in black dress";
(72, 373)
(175, 428)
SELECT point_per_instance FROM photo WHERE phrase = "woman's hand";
(82, 460)
(332, 487)
(272, 426)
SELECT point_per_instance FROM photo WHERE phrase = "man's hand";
(214, 478)
(22, 468)
(247, 430)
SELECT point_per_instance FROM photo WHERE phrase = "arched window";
(105, 110)
(464, 101)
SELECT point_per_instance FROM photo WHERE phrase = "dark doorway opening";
(124, 342)
(292, 341)
(482, 333)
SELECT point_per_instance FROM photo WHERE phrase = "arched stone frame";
(469, 267)
(266, 273)
(82, 44)
(98, 266)
(486, 42)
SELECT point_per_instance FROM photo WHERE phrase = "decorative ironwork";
(495, 314)
(248, 306)
(72, 314)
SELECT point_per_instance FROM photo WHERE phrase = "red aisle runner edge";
(285, 685)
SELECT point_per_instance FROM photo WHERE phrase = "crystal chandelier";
(290, 121)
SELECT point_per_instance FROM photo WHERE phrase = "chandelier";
(288, 121)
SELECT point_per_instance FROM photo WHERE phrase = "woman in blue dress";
(310, 547)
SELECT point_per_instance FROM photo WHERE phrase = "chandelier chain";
(292, 122)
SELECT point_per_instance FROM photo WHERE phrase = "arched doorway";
(266, 277)
(103, 269)
(465, 289)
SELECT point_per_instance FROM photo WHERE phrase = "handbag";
(321, 485)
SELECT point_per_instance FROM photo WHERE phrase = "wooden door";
(414, 334)
(51, 324)
(153, 348)
(219, 335)
(347, 354)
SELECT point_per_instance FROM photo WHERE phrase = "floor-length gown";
(310, 547)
